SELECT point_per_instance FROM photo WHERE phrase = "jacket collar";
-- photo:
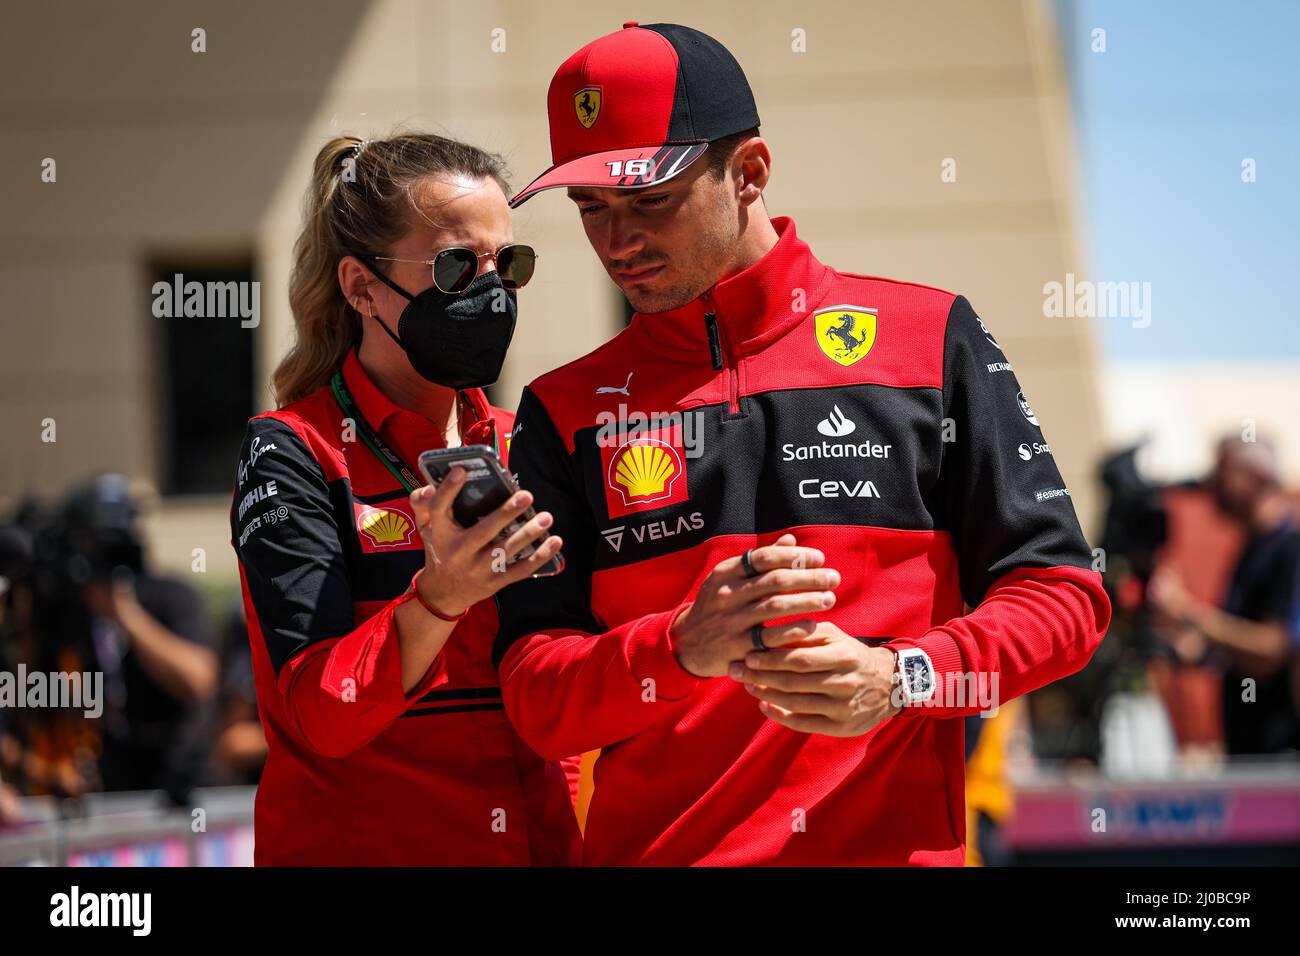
(376, 407)
(754, 307)
(399, 424)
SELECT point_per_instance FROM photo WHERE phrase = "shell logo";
(385, 528)
(644, 470)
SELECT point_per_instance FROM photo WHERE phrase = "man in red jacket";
(777, 490)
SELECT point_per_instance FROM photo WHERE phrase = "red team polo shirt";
(359, 772)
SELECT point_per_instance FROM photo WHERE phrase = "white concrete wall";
(162, 150)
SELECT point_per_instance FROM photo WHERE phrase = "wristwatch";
(915, 676)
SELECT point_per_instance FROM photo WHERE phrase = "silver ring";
(756, 638)
(748, 565)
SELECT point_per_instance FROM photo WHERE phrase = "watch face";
(917, 673)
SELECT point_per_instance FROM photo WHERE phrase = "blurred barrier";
(1246, 812)
(133, 829)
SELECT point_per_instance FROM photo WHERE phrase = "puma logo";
(611, 390)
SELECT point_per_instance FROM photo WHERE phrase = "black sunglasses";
(454, 268)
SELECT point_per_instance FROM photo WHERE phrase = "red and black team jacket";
(878, 421)
(359, 772)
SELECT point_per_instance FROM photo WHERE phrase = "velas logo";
(643, 473)
(657, 530)
(389, 528)
(586, 104)
(845, 333)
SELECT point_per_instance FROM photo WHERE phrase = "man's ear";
(752, 163)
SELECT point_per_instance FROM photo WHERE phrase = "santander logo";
(836, 425)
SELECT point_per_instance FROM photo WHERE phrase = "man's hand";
(838, 686)
(1189, 644)
(1261, 645)
(715, 630)
(1177, 615)
(11, 808)
(1170, 597)
(114, 600)
(186, 670)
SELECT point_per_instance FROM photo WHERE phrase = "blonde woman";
(370, 610)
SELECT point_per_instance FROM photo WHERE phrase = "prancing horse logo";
(586, 103)
(845, 333)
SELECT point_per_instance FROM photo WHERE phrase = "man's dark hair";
(720, 151)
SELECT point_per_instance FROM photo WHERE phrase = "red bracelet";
(415, 591)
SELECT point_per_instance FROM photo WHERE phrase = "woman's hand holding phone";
(463, 566)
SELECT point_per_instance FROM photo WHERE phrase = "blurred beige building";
(929, 141)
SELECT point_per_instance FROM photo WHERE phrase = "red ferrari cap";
(636, 107)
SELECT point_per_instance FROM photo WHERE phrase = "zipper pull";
(715, 344)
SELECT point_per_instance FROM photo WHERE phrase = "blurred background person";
(239, 746)
(1250, 635)
(84, 602)
(151, 638)
(44, 751)
(1201, 547)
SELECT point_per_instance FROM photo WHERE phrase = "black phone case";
(487, 487)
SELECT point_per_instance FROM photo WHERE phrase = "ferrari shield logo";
(586, 103)
(845, 332)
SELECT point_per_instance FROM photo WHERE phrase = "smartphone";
(487, 487)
